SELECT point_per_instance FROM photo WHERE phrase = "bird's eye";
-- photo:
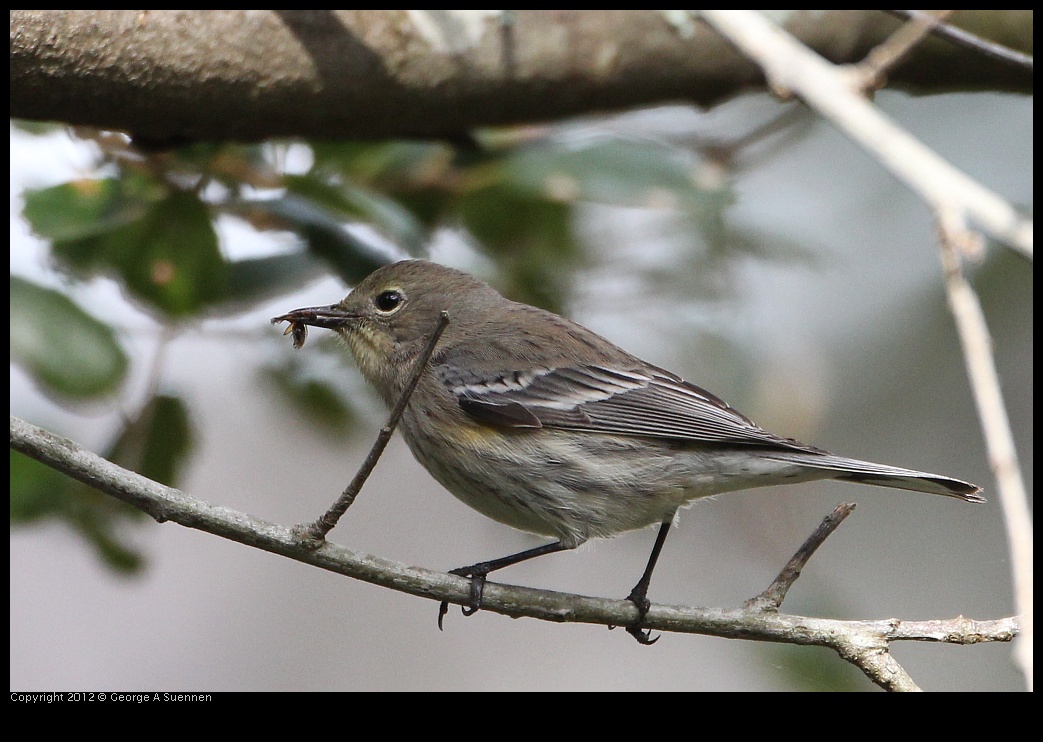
(388, 301)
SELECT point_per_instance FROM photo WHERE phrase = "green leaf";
(38, 491)
(352, 258)
(620, 171)
(385, 214)
(64, 349)
(157, 442)
(87, 208)
(260, 279)
(161, 244)
(120, 556)
(531, 238)
(176, 264)
(420, 176)
(315, 400)
(389, 163)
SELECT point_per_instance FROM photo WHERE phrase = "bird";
(543, 425)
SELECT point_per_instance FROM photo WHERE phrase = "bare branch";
(791, 67)
(771, 599)
(954, 198)
(968, 40)
(894, 49)
(312, 534)
(956, 240)
(863, 643)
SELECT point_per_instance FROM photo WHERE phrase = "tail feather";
(882, 475)
(921, 482)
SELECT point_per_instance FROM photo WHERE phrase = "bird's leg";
(639, 595)
(478, 573)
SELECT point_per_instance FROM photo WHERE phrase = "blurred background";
(751, 249)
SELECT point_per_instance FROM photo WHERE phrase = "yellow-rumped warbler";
(541, 424)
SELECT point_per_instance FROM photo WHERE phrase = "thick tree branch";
(863, 643)
(256, 74)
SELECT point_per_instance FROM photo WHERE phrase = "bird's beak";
(331, 317)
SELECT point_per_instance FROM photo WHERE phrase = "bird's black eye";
(388, 301)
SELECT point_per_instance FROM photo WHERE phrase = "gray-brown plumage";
(546, 426)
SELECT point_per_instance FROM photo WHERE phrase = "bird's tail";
(882, 475)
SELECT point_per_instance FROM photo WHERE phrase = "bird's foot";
(638, 598)
(477, 573)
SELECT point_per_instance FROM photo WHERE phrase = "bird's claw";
(474, 604)
(638, 598)
(642, 636)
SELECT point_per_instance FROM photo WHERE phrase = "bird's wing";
(640, 400)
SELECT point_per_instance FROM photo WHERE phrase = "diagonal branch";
(955, 199)
(967, 40)
(771, 599)
(314, 533)
(864, 643)
(792, 68)
(898, 46)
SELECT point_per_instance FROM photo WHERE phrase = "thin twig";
(968, 40)
(885, 55)
(313, 534)
(1003, 458)
(771, 599)
(725, 151)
